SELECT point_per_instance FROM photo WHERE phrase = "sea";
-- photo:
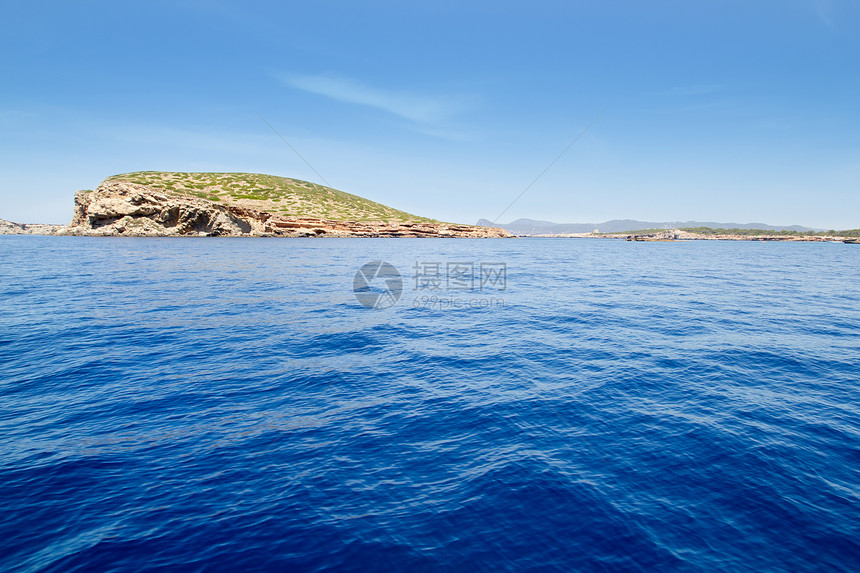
(237, 404)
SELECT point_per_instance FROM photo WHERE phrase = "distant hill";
(535, 227)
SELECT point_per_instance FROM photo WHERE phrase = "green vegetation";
(290, 197)
(846, 233)
(636, 232)
(712, 231)
(742, 232)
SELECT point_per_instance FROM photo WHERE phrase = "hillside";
(277, 195)
(159, 204)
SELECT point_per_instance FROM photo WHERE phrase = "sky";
(734, 111)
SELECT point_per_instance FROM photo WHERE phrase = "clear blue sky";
(726, 110)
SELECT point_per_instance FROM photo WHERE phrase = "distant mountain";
(535, 227)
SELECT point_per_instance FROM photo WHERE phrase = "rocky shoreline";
(681, 235)
(120, 208)
(123, 209)
(10, 228)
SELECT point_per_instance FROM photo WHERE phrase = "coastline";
(681, 235)
(303, 227)
(184, 204)
(125, 209)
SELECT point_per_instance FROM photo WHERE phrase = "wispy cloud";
(451, 134)
(696, 107)
(824, 9)
(691, 98)
(416, 108)
(694, 90)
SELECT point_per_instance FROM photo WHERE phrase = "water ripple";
(217, 405)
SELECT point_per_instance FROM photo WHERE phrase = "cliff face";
(10, 228)
(121, 208)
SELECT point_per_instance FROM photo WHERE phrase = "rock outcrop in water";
(681, 235)
(121, 208)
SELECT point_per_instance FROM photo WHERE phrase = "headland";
(170, 204)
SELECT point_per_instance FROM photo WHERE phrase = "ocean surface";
(570, 405)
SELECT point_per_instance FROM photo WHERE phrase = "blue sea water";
(228, 405)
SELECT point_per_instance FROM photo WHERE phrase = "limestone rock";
(10, 228)
(121, 208)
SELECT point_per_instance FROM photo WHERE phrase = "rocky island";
(163, 204)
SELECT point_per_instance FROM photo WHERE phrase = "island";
(188, 204)
(180, 204)
(711, 234)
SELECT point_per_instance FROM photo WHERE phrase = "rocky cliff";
(10, 228)
(122, 208)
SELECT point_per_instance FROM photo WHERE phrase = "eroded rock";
(120, 208)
